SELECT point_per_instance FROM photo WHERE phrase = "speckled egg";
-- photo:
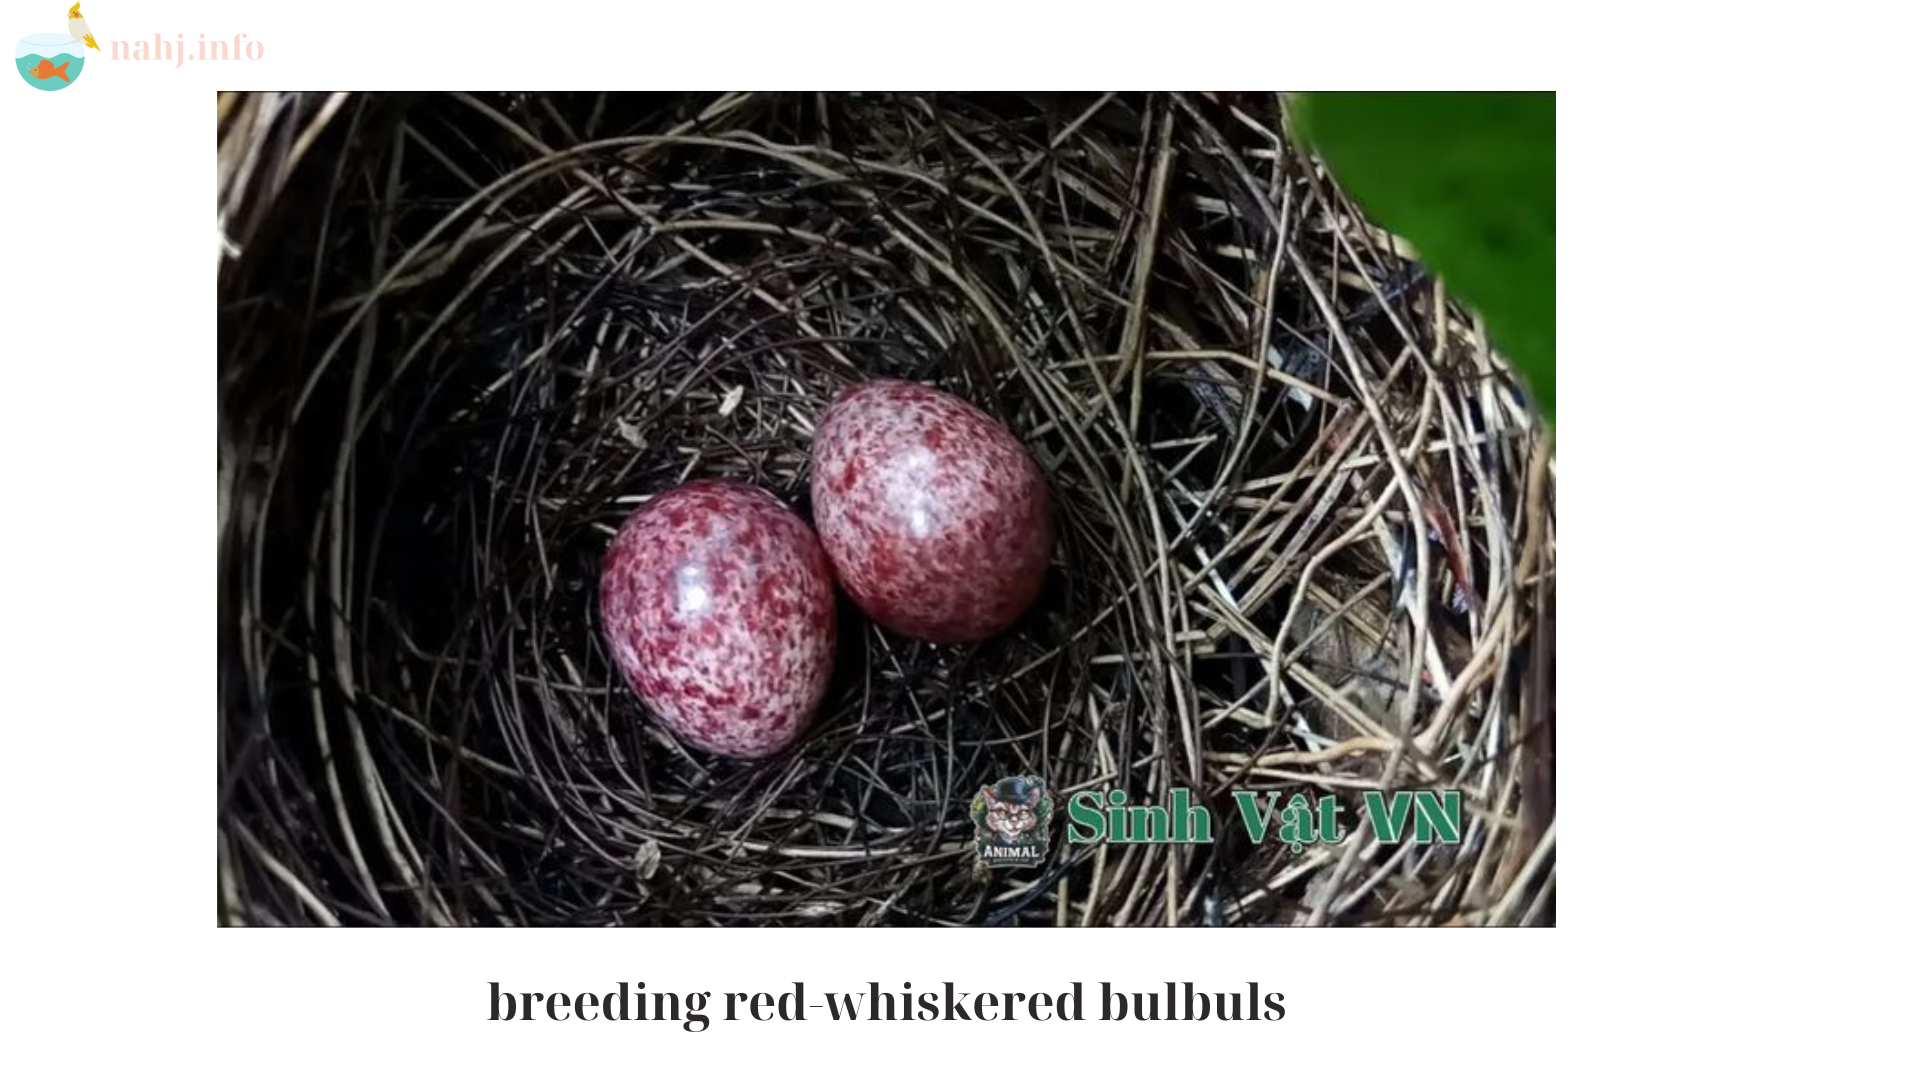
(937, 520)
(717, 605)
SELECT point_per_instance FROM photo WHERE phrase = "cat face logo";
(1010, 821)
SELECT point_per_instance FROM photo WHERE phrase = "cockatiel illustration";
(77, 27)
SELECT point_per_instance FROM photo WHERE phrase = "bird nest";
(1306, 514)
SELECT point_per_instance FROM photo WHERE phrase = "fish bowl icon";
(49, 61)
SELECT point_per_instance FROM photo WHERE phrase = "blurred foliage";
(1468, 178)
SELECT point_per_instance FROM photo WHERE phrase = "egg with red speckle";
(717, 606)
(937, 521)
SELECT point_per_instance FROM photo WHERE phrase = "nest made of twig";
(1306, 514)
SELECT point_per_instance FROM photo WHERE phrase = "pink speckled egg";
(937, 520)
(717, 605)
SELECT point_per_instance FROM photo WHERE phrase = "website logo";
(1011, 822)
(53, 61)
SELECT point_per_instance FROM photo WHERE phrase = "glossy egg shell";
(717, 605)
(937, 520)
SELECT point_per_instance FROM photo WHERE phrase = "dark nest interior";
(1306, 513)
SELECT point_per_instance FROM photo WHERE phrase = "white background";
(1736, 652)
